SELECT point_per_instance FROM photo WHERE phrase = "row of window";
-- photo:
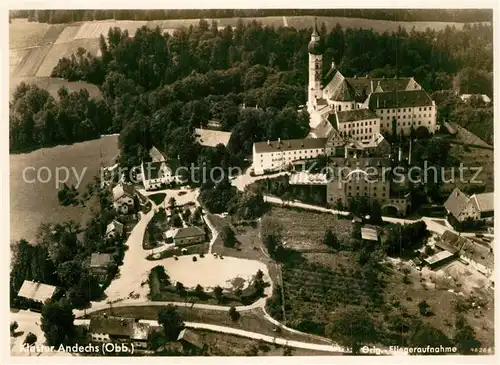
(300, 151)
(404, 124)
(409, 116)
(366, 188)
(365, 194)
(361, 124)
(387, 111)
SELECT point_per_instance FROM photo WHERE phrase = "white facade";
(278, 159)
(422, 116)
(360, 130)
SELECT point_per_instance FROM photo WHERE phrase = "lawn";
(34, 203)
(252, 320)
(306, 229)
(221, 344)
(31, 62)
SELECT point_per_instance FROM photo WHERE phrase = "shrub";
(195, 259)
(234, 314)
(30, 338)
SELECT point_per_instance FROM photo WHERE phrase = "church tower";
(315, 50)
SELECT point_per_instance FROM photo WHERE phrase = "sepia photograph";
(251, 182)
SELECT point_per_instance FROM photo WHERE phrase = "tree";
(13, 327)
(465, 337)
(199, 290)
(57, 323)
(171, 321)
(172, 203)
(352, 327)
(218, 293)
(234, 314)
(423, 308)
(179, 287)
(287, 351)
(271, 235)
(228, 237)
(330, 239)
(30, 338)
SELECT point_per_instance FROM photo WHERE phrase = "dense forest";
(441, 15)
(157, 87)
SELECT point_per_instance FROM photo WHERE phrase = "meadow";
(34, 203)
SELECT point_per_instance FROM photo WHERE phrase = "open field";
(252, 320)
(210, 271)
(305, 229)
(34, 203)
(58, 51)
(52, 85)
(61, 40)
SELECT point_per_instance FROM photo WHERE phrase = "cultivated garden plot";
(305, 229)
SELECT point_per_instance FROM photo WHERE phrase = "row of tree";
(441, 15)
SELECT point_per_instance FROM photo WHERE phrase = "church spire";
(315, 30)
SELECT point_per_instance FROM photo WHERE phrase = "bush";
(13, 327)
(195, 259)
(30, 338)
(234, 314)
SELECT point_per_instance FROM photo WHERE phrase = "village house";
(158, 174)
(99, 263)
(483, 97)
(123, 198)
(189, 236)
(118, 329)
(191, 341)
(462, 207)
(114, 230)
(37, 292)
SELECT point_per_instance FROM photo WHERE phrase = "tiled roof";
(456, 202)
(100, 259)
(123, 189)
(191, 337)
(114, 225)
(399, 99)
(355, 115)
(211, 138)
(152, 169)
(290, 144)
(156, 155)
(484, 201)
(189, 232)
(344, 92)
(451, 242)
(36, 291)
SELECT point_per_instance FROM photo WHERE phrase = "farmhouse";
(37, 292)
(114, 230)
(123, 198)
(463, 208)
(190, 340)
(156, 175)
(483, 97)
(188, 235)
(211, 138)
(439, 259)
(106, 329)
(99, 262)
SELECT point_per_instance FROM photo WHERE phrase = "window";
(357, 187)
(419, 109)
(404, 116)
(383, 195)
(425, 108)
